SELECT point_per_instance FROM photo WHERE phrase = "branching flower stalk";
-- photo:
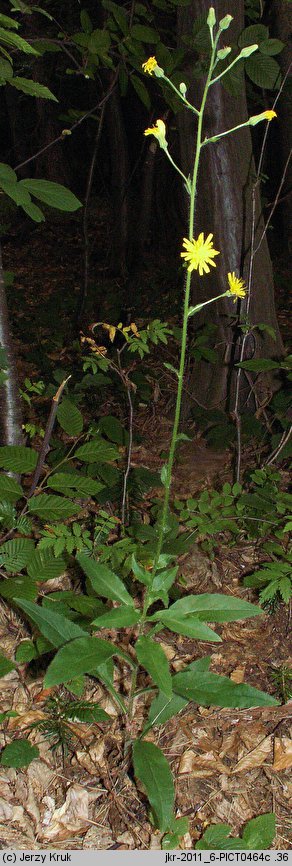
(198, 254)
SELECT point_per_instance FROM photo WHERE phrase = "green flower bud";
(223, 52)
(211, 20)
(250, 49)
(225, 22)
(182, 88)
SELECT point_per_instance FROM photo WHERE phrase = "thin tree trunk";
(224, 207)
(10, 404)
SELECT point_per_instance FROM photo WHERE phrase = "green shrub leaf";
(15, 554)
(264, 71)
(20, 753)
(21, 586)
(32, 88)
(70, 417)
(5, 665)
(43, 565)
(97, 451)
(18, 458)
(26, 651)
(10, 489)
(53, 194)
(50, 507)
(259, 832)
(152, 769)
(65, 482)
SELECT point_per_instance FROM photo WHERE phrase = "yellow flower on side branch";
(150, 65)
(237, 287)
(158, 131)
(199, 254)
(265, 115)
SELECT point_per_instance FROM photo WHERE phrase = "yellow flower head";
(150, 65)
(199, 254)
(270, 114)
(158, 131)
(265, 115)
(237, 287)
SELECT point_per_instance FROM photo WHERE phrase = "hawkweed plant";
(76, 652)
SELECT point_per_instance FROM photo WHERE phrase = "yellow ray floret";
(269, 114)
(199, 254)
(237, 287)
(150, 65)
(158, 131)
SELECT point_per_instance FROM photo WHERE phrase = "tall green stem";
(163, 522)
(169, 467)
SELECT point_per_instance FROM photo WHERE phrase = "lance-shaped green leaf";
(53, 626)
(209, 689)
(140, 573)
(152, 769)
(119, 617)
(162, 709)
(164, 579)
(103, 580)
(81, 656)
(151, 656)
(210, 607)
(185, 624)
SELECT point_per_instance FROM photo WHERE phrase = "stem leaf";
(151, 656)
(152, 768)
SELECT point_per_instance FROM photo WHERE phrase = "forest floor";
(229, 765)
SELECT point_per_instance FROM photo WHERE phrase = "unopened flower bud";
(250, 49)
(225, 22)
(223, 52)
(211, 20)
(182, 88)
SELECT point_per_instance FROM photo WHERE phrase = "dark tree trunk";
(10, 404)
(224, 207)
(120, 174)
(52, 164)
(282, 28)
